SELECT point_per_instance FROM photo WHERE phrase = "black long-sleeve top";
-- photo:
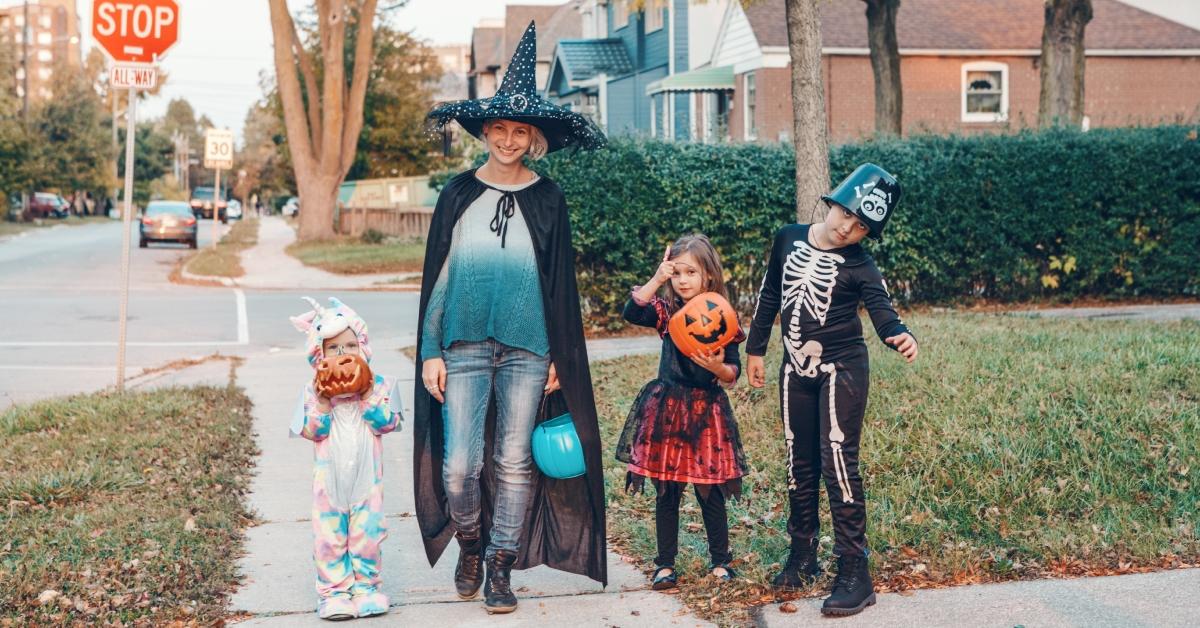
(673, 366)
(817, 293)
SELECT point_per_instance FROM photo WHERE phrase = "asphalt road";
(61, 289)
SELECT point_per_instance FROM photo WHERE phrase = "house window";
(984, 92)
(653, 15)
(620, 14)
(749, 106)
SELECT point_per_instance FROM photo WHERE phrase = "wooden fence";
(407, 222)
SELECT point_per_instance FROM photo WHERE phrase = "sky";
(225, 45)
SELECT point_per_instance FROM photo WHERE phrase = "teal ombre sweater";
(488, 287)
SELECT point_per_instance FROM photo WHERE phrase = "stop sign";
(135, 30)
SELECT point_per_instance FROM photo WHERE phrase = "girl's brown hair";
(710, 263)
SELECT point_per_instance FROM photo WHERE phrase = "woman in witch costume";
(501, 348)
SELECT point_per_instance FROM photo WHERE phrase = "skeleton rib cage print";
(809, 277)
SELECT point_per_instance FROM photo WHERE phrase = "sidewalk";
(277, 589)
(269, 267)
(1155, 312)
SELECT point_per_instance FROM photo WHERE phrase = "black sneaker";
(852, 588)
(468, 575)
(801, 569)
(497, 591)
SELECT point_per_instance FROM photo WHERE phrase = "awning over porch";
(718, 79)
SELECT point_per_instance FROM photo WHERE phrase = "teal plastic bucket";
(556, 448)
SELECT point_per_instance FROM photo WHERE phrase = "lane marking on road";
(243, 322)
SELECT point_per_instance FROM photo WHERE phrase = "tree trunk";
(1062, 62)
(808, 109)
(885, 64)
(323, 137)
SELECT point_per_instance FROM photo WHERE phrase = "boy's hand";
(324, 406)
(433, 375)
(756, 372)
(905, 344)
(711, 361)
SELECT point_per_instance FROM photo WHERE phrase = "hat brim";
(561, 127)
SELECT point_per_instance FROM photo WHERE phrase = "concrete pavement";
(268, 266)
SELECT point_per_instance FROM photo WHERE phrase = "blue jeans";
(473, 371)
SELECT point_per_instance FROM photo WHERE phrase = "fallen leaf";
(47, 596)
(788, 607)
(189, 525)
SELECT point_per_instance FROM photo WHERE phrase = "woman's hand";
(552, 383)
(756, 372)
(711, 361)
(433, 374)
(905, 344)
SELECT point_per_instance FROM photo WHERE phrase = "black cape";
(564, 525)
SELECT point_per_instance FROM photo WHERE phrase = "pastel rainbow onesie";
(347, 512)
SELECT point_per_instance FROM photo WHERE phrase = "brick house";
(967, 66)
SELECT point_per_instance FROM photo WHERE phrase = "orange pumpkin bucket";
(707, 322)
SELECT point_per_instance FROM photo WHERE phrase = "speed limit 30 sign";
(218, 149)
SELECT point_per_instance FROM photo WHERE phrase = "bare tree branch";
(364, 47)
(289, 87)
(310, 87)
(333, 103)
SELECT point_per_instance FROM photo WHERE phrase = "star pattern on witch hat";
(518, 100)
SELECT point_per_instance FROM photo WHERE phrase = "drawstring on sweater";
(505, 208)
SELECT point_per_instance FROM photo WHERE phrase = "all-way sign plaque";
(133, 75)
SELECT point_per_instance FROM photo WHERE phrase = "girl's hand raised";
(666, 269)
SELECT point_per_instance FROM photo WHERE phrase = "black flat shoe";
(728, 576)
(661, 581)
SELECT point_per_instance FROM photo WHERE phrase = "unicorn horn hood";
(326, 322)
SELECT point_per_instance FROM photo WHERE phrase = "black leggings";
(666, 522)
(822, 413)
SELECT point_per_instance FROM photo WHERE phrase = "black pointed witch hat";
(518, 100)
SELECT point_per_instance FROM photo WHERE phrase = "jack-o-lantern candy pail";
(707, 322)
(343, 375)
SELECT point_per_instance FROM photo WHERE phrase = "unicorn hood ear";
(321, 323)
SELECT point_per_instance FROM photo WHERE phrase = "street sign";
(133, 75)
(135, 33)
(135, 30)
(218, 149)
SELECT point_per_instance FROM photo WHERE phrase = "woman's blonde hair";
(710, 263)
(538, 146)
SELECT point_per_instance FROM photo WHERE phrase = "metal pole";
(127, 220)
(216, 209)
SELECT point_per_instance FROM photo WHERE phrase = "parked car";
(291, 207)
(47, 205)
(234, 211)
(202, 203)
(168, 220)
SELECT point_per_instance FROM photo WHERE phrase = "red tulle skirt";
(682, 434)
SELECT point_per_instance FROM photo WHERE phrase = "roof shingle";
(977, 25)
(583, 59)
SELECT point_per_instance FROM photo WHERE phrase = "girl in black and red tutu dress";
(681, 429)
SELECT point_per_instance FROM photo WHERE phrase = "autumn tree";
(323, 121)
(1062, 62)
(885, 65)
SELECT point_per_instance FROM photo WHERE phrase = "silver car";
(168, 220)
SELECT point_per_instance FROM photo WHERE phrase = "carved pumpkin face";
(707, 322)
(343, 375)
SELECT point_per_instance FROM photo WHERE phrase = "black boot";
(468, 575)
(852, 588)
(801, 569)
(498, 592)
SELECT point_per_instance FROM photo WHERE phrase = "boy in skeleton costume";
(816, 277)
(347, 514)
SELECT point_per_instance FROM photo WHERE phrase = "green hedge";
(1054, 214)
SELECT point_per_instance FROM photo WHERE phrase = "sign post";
(135, 34)
(218, 154)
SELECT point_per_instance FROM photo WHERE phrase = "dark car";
(47, 205)
(202, 203)
(168, 220)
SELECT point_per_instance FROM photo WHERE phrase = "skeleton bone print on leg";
(809, 277)
(836, 437)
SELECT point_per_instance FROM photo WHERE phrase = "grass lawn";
(1013, 448)
(352, 256)
(121, 509)
(13, 228)
(225, 259)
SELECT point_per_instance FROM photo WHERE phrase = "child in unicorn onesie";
(347, 514)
